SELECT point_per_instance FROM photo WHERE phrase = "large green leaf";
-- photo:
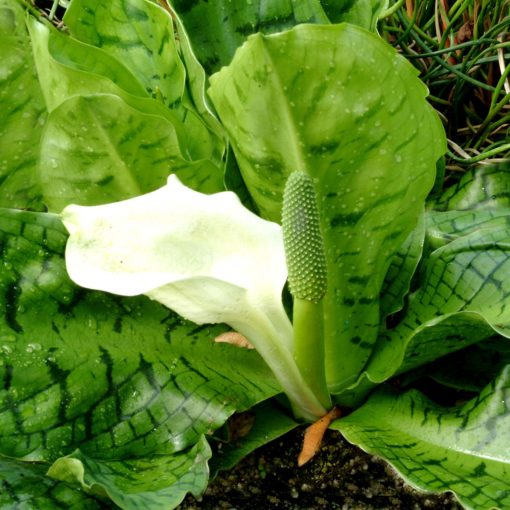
(462, 300)
(118, 378)
(156, 483)
(364, 13)
(195, 77)
(22, 112)
(229, 23)
(68, 68)
(97, 149)
(444, 227)
(397, 281)
(296, 102)
(138, 33)
(479, 201)
(24, 485)
(463, 449)
(481, 188)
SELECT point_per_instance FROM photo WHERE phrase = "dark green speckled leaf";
(25, 486)
(364, 13)
(196, 79)
(22, 112)
(463, 299)
(118, 378)
(444, 227)
(159, 482)
(67, 67)
(479, 201)
(481, 188)
(230, 22)
(98, 149)
(397, 281)
(138, 33)
(463, 449)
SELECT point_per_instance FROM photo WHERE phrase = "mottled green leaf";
(462, 300)
(462, 449)
(157, 483)
(97, 149)
(195, 77)
(480, 200)
(118, 378)
(138, 33)
(296, 102)
(24, 485)
(67, 67)
(229, 23)
(22, 112)
(481, 188)
(402, 268)
(270, 422)
(364, 13)
(444, 227)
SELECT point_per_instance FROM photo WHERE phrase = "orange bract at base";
(314, 434)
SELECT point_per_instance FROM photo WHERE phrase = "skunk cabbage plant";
(176, 173)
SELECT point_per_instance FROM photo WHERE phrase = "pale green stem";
(309, 347)
(271, 343)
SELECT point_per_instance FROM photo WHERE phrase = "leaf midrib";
(128, 178)
(288, 116)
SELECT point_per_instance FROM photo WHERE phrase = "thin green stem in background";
(461, 53)
(53, 10)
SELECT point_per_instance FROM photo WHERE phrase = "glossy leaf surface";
(370, 150)
(462, 300)
(98, 149)
(22, 112)
(196, 79)
(118, 378)
(26, 485)
(402, 268)
(485, 187)
(444, 227)
(364, 13)
(229, 23)
(158, 483)
(67, 67)
(463, 449)
(138, 33)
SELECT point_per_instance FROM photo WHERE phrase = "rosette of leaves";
(113, 401)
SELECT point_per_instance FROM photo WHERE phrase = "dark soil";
(340, 477)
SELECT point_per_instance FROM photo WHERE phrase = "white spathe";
(206, 257)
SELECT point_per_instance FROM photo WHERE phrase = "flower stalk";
(306, 262)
